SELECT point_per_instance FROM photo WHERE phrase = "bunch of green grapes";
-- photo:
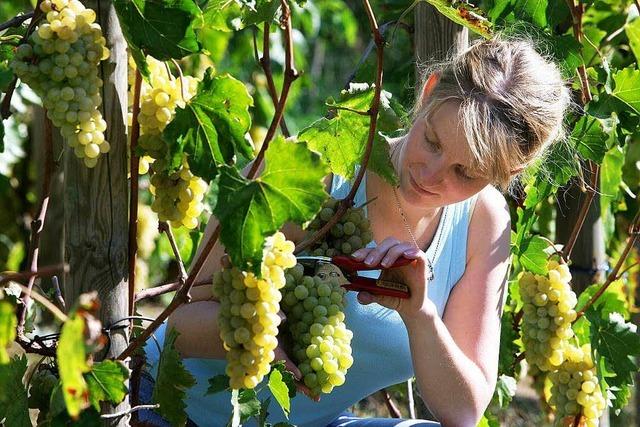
(548, 312)
(178, 196)
(60, 63)
(349, 234)
(575, 389)
(248, 313)
(315, 321)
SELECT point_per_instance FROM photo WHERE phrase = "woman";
(482, 117)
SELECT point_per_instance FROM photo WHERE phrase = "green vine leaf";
(632, 29)
(217, 384)
(106, 382)
(342, 139)
(14, 407)
(72, 363)
(590, 138)
(248, 404)
(627, 88)
(223, 15)
(211, 128)
(164, 29)
(533, 257)
(8, 323)
(508, 345)
(289, 189)
(172, 381)
(280, 391)
(610, 182)
(615, 343)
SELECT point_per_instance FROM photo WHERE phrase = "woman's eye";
(464, 175)
(434, 146)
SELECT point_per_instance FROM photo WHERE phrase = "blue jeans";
(347, 419)
(151, 418)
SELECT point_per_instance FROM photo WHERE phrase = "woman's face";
(435, 163)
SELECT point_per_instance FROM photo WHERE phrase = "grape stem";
(166, 288)
(265, 63)
(391, 406)
(5, 108)
(347, 202)
(163, 227)
(634, 230)
(37, 224)
(16, 21)
(133, 195)
(182, 295)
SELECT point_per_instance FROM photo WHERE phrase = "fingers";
(395, 252)
(374, 256)
(393, 303)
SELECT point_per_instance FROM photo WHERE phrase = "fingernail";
(411, 252)
(384, 263)
(369, 260)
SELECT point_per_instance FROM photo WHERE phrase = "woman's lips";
(420, 189)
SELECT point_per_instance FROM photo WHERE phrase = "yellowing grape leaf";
(8, 323)
(290, 188)
(72, 363)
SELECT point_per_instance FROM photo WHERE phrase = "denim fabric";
(348, 419)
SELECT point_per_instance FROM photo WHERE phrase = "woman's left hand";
(413, 275)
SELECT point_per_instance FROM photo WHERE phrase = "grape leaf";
(14, 408)
(172, 381)
(532, 256)
(280, 391)
(627, 88)
(211, 128)
(287, 377)
(8, 323)
(610, 180)
(464, 15)
(632, 29)
(508, 346)
(223, 15)
(616, 342)
(72, 363)
(342, 139)
(217, 384)
(590, 138)
(164, 29)
(106, 381)
(248, 404)
(289, 189)
(505, 390)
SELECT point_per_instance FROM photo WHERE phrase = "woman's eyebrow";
(427, 120)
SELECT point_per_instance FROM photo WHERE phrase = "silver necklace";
(430, 272)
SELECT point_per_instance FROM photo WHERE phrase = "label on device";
(387, 284)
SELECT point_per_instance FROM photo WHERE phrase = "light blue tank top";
(380, 342)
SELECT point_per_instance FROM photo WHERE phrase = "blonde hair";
(512, 100)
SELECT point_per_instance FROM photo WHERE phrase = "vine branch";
(16, 276)
(164, 227)
(16, 21)
(347, 202)
(133, 194)
(594, 168)
(183, 294)
(37, 225)
(166, 288)
(634, 230)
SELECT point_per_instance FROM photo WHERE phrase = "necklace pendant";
(430, 274)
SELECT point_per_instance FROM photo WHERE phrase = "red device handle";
(378, 287)
(349, 264)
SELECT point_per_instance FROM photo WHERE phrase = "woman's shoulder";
(490, 222)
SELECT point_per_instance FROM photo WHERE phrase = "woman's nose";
(432, 173)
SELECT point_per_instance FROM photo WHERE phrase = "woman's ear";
(429, 85)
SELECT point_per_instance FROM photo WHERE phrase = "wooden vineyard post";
(96, 202)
